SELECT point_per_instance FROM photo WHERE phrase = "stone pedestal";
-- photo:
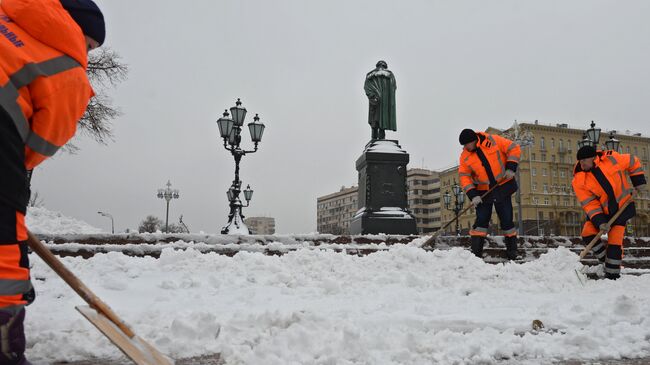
(382, 191)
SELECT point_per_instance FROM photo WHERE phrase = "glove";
(476, 201)
(604, 227)
(640, 188)
(510, 174)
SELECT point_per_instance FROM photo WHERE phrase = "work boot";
(613, 262)
(511, 247)
(477, 246)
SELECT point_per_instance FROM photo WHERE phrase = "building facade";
(545, 201)
(260, 225)
(334, 211)
(424, 199)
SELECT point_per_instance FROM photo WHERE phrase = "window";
(636, 151)
(542, 144)
(645, 153)
(534, 186)
(627, 149)
(552, 142)
(546, 201)
(561, 144)
(540, 215)
(550, 215)
(545, 188)
(535, 200)
(552, 158)
(543, 157)
(554, 172)
(533, 157)
(544, 172)
(534, 171)
(562, 173)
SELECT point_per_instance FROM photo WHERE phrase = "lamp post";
(591, 137)
(108, 215)
(230, 131)
(167, 194)
(525, 140)
(612, 143)
(459, 200)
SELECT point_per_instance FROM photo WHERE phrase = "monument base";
(382, 193)
(383, 221)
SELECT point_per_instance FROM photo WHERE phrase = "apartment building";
(334, 211)
(260, 225)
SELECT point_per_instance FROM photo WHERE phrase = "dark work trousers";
(12, 337)
(14, 195)
(14, 189)
(504, 212)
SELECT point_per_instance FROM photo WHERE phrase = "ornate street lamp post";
(593, 134)
(458, 204)
(108, 216)
(590, 137)
(612, 143)
(523, 140)
(167, 194)
(230, 131)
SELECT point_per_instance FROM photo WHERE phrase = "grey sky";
(301, 65)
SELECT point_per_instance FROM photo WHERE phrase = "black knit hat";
(586, 152)
(467, 136)
(88, 16)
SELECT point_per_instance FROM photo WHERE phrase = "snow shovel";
(591, 244)
(435, 235)
(101, 315)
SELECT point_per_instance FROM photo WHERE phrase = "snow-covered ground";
(399, 306)
(43, 220)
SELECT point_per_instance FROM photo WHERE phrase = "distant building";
(260, 225)
(334, 211)
(424, 199)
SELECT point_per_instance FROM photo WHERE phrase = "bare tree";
(35, 200)
(175, 228)
(150, 224)
(105, 70)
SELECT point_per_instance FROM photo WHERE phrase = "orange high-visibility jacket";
(44, 90)
(43, 84)
(604, 188)
(500, 154)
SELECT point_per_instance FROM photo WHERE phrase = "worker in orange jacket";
(44, 91)
(489, 160)
(600, 182)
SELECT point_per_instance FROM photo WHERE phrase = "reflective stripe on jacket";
(43, 85)
(501, 154)
(606, 186)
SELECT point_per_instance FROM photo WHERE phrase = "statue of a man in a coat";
(380, 88)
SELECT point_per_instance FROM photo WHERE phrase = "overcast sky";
(301, 66)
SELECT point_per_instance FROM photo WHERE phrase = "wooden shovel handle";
(76, 284)
(433, 237)
(601, 232)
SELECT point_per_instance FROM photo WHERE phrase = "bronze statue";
(380, 88)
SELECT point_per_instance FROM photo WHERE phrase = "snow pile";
(399, 306)
(42, 220)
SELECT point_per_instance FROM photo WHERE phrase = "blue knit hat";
(88, 16)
